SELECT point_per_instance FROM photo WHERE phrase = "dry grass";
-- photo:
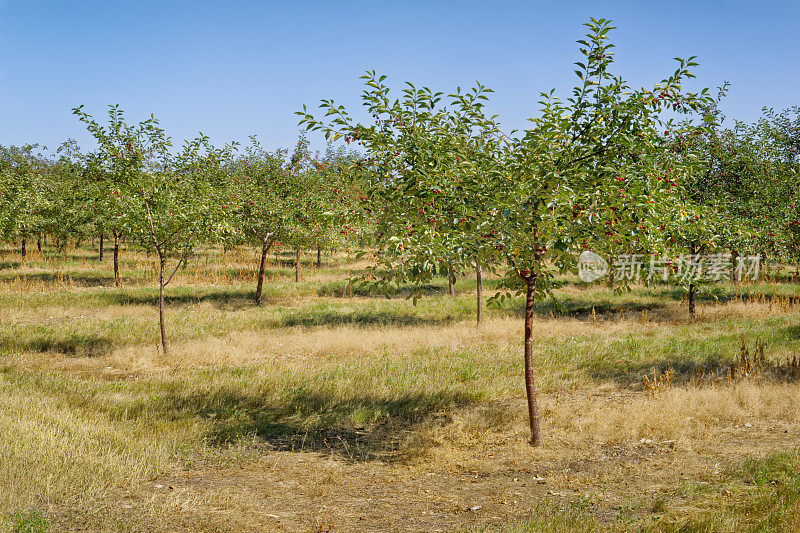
(53, 451)
(355, 412)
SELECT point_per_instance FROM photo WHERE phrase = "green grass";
(69, 436)
(29, 520)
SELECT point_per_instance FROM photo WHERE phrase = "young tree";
(255, 194)
(769, 151)
(429, 161)
(164, 202)
(270, 200)
(113, 170)
(25, 190)
(339, 185)
(174, 209)
(599, 154)
(601, 148)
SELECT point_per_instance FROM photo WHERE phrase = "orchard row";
(435, 185)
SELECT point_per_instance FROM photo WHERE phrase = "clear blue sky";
(235, 68)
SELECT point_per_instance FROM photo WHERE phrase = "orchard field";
(433, 325)
(328, 409)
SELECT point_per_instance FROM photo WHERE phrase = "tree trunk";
(116, 259)
(611, 272)
(161, 285)
(530, 384)
(451, 282)
(261, 270)
(692, 252)
(734, 257)
(319, 257)
(39, 243)
(102, 242)
(297, 266)
(478, 273)
(23, 251)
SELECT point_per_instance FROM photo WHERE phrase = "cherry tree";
(550, 190)
(112, 170)
(163, 201)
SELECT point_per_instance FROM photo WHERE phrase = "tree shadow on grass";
(359, 428)
(227, 297)
(343, 289)
(583, 309)
(232, 299)
(306, 263)
(363, 318)
(793, 332)
(81, 280)
(716, 368)
(724, 294)
(627, 374)
(786, 277)
(72, 344)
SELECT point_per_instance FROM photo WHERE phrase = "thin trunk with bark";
(161, 285)
(451, 282)
(22, 250)
(530, 383)
(39, 243)
(297, 266)
(116, 259)
(262, 268)
(319, 257)
(611, 272)
(102, 242)
(692, 252)
(478, 275)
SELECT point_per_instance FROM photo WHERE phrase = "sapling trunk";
(319, 257)
(39, 243)
(734, 257)
(161, 285)
(297, 266)
(23, 252)
(262, 268)
(116, 259)
(611, 272)
(530, 383)
(692, 252)
(478, 275)
(102, 241)
(451, 282)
